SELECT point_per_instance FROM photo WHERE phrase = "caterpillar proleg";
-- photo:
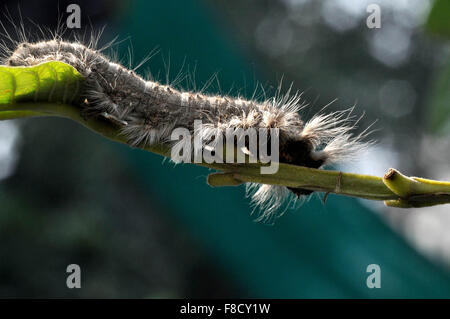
(147, 113)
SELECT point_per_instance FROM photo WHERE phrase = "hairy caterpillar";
(148, 112)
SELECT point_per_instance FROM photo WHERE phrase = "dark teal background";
(315, 251)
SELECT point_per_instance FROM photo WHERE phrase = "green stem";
(395, 189)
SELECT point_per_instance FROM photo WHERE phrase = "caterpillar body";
(148, 111)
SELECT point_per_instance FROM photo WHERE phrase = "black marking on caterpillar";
(147, 112)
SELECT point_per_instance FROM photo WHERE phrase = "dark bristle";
(299, 152)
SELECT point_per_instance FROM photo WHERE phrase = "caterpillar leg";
(114, 119)
(87, 112)
(300, 191)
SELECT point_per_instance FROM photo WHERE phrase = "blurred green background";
(142, 227)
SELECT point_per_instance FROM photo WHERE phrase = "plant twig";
(394, 188)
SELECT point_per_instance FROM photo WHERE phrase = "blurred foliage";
(439, 104)
(439, 23)
(439, 18)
